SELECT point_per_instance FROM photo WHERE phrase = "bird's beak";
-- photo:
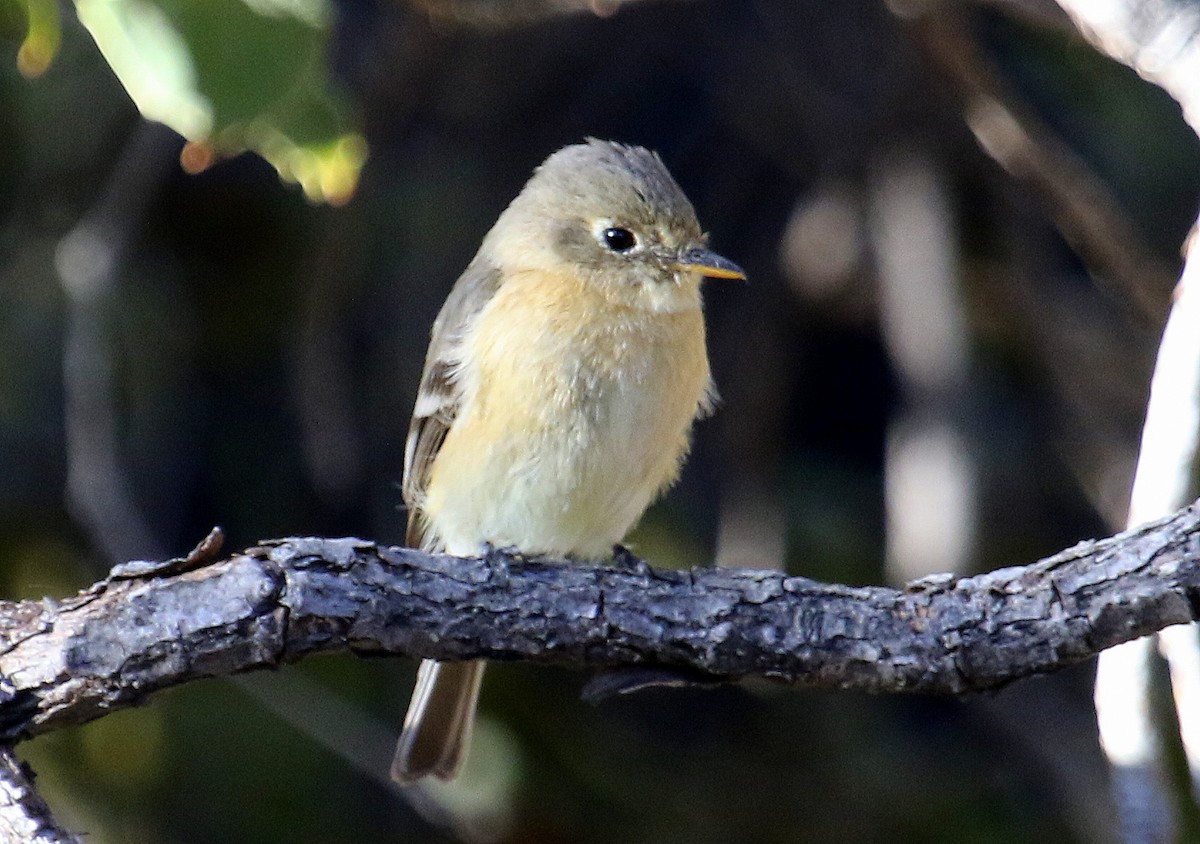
(700, 260)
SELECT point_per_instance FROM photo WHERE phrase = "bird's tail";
(437, 728)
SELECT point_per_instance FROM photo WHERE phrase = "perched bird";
(563, 375)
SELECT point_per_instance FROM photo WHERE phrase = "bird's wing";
(439, 395)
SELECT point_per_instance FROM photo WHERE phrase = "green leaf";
(235, 75)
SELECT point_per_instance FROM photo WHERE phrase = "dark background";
(255, 357)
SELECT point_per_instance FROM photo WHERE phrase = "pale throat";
(682, 293)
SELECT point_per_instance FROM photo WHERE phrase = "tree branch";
(24, 816)
(152, 626)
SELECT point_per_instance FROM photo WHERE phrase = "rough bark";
(151, 626)
(24, 816)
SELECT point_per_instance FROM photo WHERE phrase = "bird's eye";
(618, 239)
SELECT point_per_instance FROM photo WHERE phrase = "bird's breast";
(575, 414)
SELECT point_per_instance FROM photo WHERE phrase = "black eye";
(619, 240)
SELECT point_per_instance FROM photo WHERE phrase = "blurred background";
(961, 227)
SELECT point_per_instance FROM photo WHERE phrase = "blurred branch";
(505, 14)
(1163, 480)
(1084, 209)
(929, 474)
(1043, 13)
(24, 816)
(1160, 39)
(150, 626)
(322, 380)
(88, 261)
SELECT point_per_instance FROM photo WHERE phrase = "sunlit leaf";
(235, 75)
(153, 62)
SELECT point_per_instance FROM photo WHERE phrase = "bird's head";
(614, 216)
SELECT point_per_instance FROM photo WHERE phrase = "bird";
(564, 373)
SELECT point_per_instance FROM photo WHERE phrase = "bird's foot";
(625, 560)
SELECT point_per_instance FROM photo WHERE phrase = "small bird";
(563, 375)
